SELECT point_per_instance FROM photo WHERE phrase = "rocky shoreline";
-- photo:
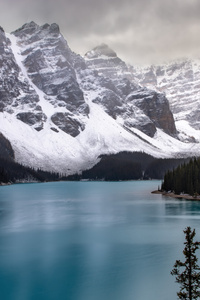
(181, 196)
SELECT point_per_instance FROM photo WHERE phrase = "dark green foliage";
(115, 167)
(3, 175)
(158, 167)
(6, 150)
(189, 278)
(11, 171)
(185, 178)
(74, 177)
(129, 166)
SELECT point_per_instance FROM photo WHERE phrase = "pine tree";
(189, 279)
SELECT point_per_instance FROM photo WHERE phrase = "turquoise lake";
(91, 241)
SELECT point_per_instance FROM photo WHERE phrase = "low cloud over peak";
(140, 31)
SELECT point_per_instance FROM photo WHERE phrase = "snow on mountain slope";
(15, 91)
(46, 106)
(61, 112)
(46, 62)
(180, 81)
(60, 152)
(139, 107)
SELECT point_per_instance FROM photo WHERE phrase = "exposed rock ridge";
(15, 91)
(124, 98)
(180, 81)
(49, 66)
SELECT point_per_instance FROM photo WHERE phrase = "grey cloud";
(138, 30)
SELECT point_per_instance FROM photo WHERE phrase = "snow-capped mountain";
(180, 81)
(137, 107)
(60, 111)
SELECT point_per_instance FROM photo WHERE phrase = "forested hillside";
(12, 172)
(128, 166)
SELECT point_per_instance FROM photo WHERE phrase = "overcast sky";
(140, 31)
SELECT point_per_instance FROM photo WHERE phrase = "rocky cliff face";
(49, 65)
(180, 81)
(123, 98)
(15, 91)
(156, 108)
(38, 66)
(48, 68)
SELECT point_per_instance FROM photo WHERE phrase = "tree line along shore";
(183, 181)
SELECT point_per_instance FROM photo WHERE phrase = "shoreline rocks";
(173, 195)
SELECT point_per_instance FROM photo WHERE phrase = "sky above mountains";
(140, 31)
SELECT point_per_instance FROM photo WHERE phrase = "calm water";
(91, 241)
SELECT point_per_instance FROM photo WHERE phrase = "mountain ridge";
(61, 111)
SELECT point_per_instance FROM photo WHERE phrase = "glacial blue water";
(91, 241)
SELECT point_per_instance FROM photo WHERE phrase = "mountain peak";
(101, 50)
(27, 26)
(32, 27)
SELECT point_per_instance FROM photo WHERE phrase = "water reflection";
(26, 209)
(182, 208)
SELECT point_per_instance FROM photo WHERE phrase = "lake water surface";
(91, 241)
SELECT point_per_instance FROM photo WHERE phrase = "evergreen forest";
(13, 172)
(128, 166)
(184, 179)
